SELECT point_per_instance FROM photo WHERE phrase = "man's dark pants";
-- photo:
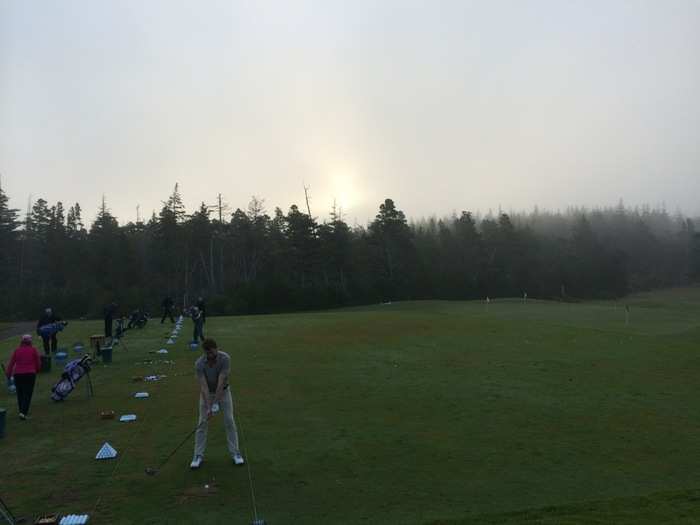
(53, 346)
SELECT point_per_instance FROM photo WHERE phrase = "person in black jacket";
(202, 308)
(168, 304)
(198, 320)
(50, 341)
(109, 312)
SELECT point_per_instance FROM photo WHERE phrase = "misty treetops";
(252, 260)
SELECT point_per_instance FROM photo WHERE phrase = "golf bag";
(52, 328)
(72, 373)
(138, 319)
(121, 328)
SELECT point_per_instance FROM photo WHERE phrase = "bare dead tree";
(306, 195)
(220, 206)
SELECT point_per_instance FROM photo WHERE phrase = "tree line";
(252, 261)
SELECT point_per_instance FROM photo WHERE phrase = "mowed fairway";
(409, 413)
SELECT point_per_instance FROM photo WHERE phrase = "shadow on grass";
(662, 507)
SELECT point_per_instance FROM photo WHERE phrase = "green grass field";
(409, 413)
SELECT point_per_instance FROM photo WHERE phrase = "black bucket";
(45, 363)
(3, 413)
(106, 354)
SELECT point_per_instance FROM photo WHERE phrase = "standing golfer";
(198, 320)
(24, 365)
(213, 370)
(202, 308)
(50, 340)
(109, 312)
(168, 305)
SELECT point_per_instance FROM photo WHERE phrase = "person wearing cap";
(213, 370)
(24, 365)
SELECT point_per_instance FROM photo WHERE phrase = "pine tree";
(8, 217)
(303, 245)
(105, 222)
(336, 249)
(394, 251)
(175, 205)
(200, 250)
(8, 238)
(74, 222)
(39, 222)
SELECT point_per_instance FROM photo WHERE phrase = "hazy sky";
(439, 105)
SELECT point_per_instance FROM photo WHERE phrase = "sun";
(344, 189)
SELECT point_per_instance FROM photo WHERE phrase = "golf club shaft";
(250, 476)
(187, 437)
(6, 509)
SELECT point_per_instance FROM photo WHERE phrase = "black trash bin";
(106, 352)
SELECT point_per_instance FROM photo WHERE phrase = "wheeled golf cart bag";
(72, 373)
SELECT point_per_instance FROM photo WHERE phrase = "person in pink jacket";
(24, 365)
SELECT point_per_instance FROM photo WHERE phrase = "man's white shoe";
(238, 459)
(196, 462)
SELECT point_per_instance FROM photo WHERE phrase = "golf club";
(151, 471)
(8, 516)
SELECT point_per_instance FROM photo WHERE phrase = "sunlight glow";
(344, 189)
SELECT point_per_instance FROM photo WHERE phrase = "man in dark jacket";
(48, 317)
(109, 312)
(202, 308)
(198, 320)
(168, 304)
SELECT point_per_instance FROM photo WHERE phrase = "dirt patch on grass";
(200, 491)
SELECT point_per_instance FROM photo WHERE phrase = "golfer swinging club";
(212, 370)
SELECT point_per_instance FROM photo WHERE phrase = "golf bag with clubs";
(72, 373)
(137, 319)
(121, 328)
(52, 328)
